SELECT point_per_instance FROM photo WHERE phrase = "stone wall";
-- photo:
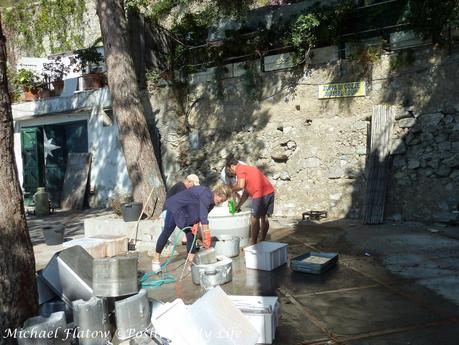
(315, 150)
(425, 167)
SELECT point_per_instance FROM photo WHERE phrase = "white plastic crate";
(263, 312)
(266, 255)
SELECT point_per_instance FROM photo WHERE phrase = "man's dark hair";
(231, 161)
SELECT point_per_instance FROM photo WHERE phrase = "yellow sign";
(354, 89)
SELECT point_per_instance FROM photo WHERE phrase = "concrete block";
(278, 61)
(114, 277)
(117, 227)
(240, 68)
(404, 39)
(114, 245)
(39, 330)
(132, 315)
(95, 248)
(202, 77)
(324, 54)
(69, 274)
(91, 318)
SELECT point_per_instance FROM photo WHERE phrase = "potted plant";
(54, 73)
(88, 62)
(31, 84)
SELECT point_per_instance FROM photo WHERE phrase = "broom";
(132, 242)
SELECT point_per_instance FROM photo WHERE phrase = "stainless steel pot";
(227, 245)
(212, 275)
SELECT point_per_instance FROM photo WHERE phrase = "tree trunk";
(134, 136)
(18, 299)
(136, 36)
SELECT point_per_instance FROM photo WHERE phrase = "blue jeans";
(169, 227)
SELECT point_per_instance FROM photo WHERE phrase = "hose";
(166, 278)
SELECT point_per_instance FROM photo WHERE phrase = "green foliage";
(431, 17)
(322, 24)
(153, 77)
(87, 59)
(59, 21)
(305, 32)
(28, 80)
(13, 85)
(161, 8)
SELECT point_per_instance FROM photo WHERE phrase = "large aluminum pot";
(212, 275)
(226, 245)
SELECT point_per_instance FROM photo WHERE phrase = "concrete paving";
(73, 222)
(394, 284)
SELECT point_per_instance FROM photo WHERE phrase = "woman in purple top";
(186, 209)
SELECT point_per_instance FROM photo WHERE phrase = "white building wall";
(108, 169)
(109, 173)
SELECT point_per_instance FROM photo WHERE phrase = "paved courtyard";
(394, 283)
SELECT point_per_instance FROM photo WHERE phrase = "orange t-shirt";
(256, 184)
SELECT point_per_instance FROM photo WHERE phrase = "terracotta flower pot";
(44, 93)
(92, 81)
(30, 95)
(58, 86)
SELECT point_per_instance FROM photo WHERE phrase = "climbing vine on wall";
(46, 25)
(161, 8)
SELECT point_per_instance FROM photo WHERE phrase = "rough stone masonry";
(315, 150)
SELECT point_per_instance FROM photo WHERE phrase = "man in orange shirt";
(257, 186)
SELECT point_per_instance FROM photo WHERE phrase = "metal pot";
(227, 245)
(212, 275)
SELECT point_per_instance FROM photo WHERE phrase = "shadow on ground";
(375, 295)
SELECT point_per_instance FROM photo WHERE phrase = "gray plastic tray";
(303, 264)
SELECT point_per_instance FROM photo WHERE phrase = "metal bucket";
(131, 211)
(53, 234)
(212, 275)
(226, 245)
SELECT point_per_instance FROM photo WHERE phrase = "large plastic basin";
(221, 222)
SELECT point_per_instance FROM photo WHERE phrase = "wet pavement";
(372, 296)
(393, 284)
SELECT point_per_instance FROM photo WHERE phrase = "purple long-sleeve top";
(191, 206)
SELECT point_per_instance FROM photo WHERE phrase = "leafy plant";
(153, 77)
(55, 70)
(87, 60)
(431, 17)
(305, 33)
(28, 79)
(322, 25)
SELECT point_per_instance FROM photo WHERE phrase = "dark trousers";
(169, 227)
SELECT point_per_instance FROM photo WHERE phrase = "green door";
(60, 140)
(55, 152)
(32, 161)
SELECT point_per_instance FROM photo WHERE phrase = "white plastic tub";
(263, 312)
(265, 255)
(221, 222)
